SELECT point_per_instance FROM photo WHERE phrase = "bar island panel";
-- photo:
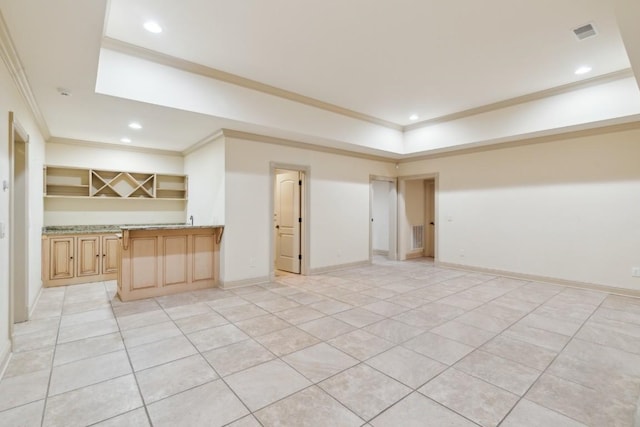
(163, 260)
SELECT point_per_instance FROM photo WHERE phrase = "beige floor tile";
(519, 351)
(357, 299)
(86, 330)
(29, 361)
(227, 303)
(136, 418)
(183, 311)
(237, 357)
(461, 332)
(361, 344)
(406, 366)
(149, 334)
(29, 415)
(306, 298)
(33, 326)
(300, 315)
(330, 306)
(482, 321)
(364, 390)
(608, 359)
(241, 312)
(209, 339)
(139, 320)
(566, 327)
(175, 300)
(160, 352)
(612, 333)
(88, 347)
(277, 304)
(439, 348)
(174, 377)
(262, 325)
(308, 408)
(326, 328)
(358, 317)
(248, 421)
(417, 410)
(498, 371)
(461, 302)
(541, 338)
(84, 306)
(583, 404)
(103, 313)
(202, 321)
(121, 309)
(92, 404)
(421, 319)
(475, 399)
(529, 414)
(35, 340)
(320, 361)
(21, 389)
(286, 341)
(385, 308)
(264, 384)
(394, 331)
(85, 372)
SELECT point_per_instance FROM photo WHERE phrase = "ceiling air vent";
(585, 31)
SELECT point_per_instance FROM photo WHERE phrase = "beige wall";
(339, 206)
(205, 168)
(567, 209)
(65, 211)
(10, 100)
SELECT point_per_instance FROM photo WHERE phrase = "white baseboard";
(380, 252)
(329, 268)
(244, 282)
(544, 279)
(414, 255)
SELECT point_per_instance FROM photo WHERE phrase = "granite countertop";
(91, 229)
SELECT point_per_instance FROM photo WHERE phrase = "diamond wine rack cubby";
(97, 183)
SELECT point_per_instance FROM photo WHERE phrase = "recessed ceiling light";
(125, 140)
(413, 117)
(64, 92)
(152, 27)
(583, 70)
(135, 125)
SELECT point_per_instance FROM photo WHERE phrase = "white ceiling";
(385, 59)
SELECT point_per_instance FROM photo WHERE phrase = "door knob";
(277, 226)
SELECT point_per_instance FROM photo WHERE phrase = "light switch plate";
(2, 232)
(635, 272)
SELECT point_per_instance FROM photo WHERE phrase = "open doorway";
(18, 223)
(383, 217)
(290, 220)
(418, 217)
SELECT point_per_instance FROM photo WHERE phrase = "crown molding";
(204, 141)
(11, 59)
(109, 146)
(203, 70)
(230, 133)
(594, 81)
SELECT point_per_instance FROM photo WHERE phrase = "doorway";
(290, 220)
(383, 217)
(18, 223)
(417, 205)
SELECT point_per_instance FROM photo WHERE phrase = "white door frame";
(18, 224)
(393, 216)
(305, 214)
(403, 224)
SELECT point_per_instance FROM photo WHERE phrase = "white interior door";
(288, 221)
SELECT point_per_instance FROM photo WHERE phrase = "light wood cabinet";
(167, 261)
(80, 182)
(81, 258)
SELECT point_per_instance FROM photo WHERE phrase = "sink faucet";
(191, 219)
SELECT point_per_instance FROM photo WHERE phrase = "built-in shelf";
(97, 183)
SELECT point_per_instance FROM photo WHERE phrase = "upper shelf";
(96, 183)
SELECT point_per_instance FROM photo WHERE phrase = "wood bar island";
(164, 260)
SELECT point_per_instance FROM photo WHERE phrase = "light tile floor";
(391, 344)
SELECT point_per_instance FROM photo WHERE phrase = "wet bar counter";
(160, 260)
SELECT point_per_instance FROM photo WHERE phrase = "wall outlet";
(635, 272)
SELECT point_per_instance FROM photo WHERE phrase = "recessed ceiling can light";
(135, 125)
(64, 92)
(582, 70)
(152, 27)
(125, 140)
(413, 117)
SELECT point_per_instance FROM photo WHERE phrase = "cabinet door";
(61, 251)
(110, 250)
(88, 261)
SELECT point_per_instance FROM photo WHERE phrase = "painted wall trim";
(302, 145)
(598, 80)
(108, 146)
(10, 57)
(244, 282)
(615, 125)
(203, 70)
(330, 268)
(551, 280)
(204, 141)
